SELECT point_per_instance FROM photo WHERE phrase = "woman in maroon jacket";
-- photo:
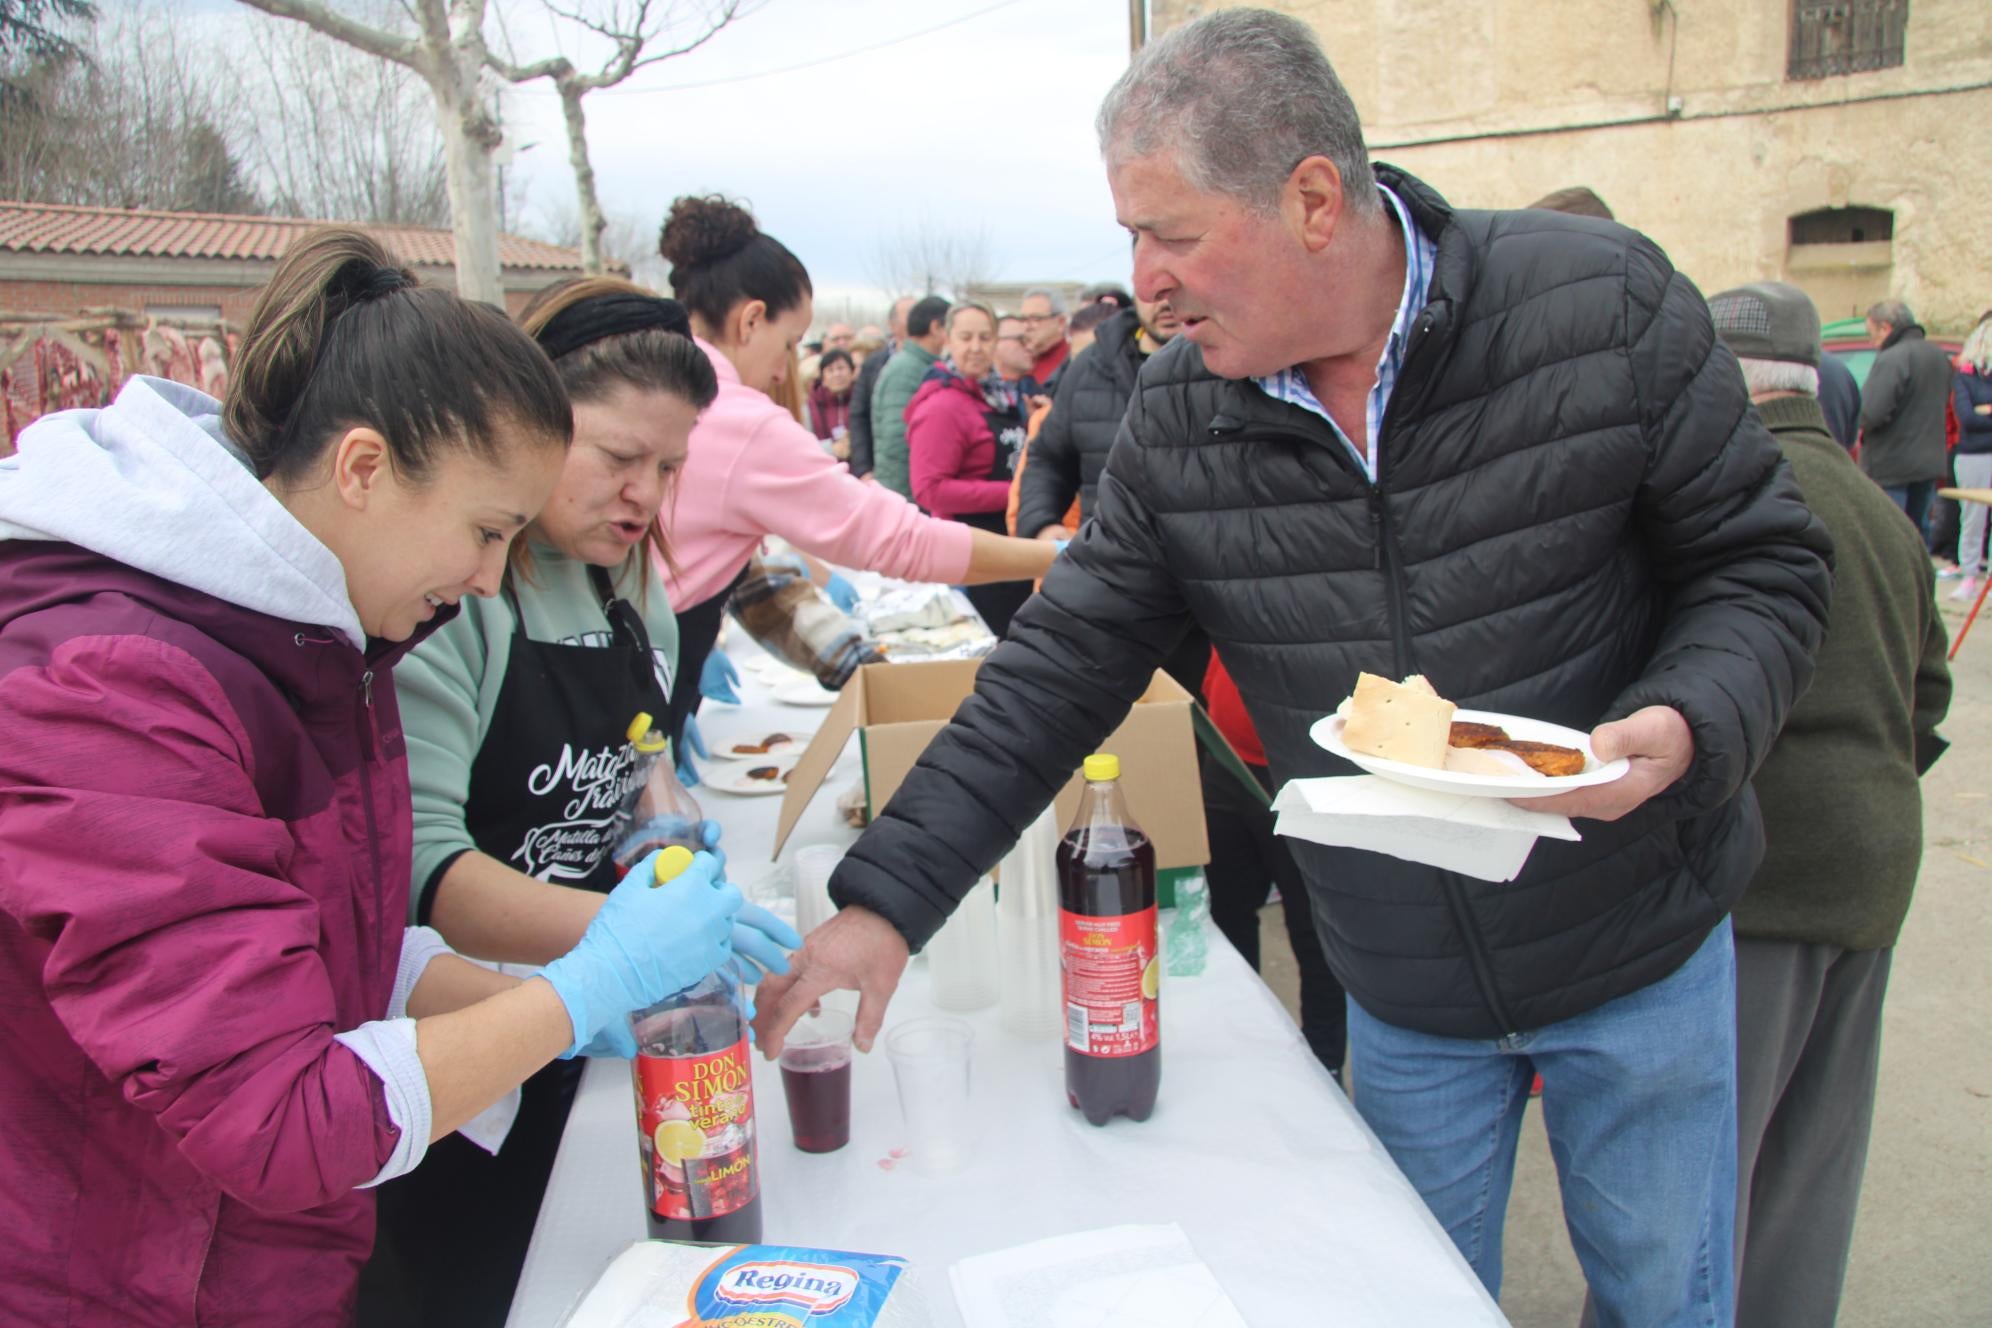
(963, 433)
(830, 401)
(217, 1033)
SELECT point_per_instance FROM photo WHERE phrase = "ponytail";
(345, 336)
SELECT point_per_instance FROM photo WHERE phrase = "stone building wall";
(1679, 113)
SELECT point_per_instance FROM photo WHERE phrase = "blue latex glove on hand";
(843, 594)
(761, 942)
(646, 943)
(719, 680)
(691, 741)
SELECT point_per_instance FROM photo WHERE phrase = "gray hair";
(1052, 297)
(971, 306)
(1242, 96)
(1764, 376)
(1892, 312)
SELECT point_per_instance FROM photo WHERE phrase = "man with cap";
(1843, 818)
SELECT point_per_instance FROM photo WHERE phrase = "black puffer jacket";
(1071, 448)
(1577, 515)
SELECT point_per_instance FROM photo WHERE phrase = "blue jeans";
(1639, 1096)
(1914, 500)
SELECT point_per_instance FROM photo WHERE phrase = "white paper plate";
(1327, 732)
(731, 778)
(721, 747)
(804, 692)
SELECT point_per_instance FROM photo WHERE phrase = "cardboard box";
(896, 709)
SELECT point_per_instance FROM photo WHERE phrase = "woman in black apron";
(963, 434)
(522, 761)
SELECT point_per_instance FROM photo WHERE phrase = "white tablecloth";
(1252, 1149)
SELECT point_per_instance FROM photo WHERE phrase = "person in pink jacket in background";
(754, 471)
(217, 1032)
(963, 435)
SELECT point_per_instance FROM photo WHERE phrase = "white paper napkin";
(1121, 1277)
(1486, 838)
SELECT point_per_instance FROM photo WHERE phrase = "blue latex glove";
(646, 943)
(692, 741)
(719, 680)
(791, 563)
(843, 594)
(761, 942)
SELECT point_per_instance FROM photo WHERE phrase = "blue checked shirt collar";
(1290, 385)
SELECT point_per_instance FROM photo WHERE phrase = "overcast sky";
(985, 123)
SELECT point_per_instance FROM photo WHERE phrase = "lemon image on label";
(678, 1140)
(1151, 979)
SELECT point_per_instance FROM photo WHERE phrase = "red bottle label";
(697, 1117)
(1112, 978)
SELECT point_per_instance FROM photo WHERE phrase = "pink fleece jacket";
(753, 471)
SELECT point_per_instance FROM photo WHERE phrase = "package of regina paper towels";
(661, 1284)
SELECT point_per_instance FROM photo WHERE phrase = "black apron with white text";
(556, 766)
(546, 796)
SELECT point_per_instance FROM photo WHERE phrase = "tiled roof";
(52, 228)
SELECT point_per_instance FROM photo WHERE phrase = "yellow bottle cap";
(639, 726)
(670, 864)
(1100, 768)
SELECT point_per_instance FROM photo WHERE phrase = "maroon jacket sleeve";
(175, 951)
(939, 433)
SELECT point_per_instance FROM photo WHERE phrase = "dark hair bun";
(699, 231)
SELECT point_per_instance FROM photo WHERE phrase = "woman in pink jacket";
(753, 471)
(218, 1034)
(963, 434)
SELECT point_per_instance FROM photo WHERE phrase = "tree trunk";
(593, 223)
(470, 136)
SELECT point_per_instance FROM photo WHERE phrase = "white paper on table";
(1119, 1277)
(1487, 838)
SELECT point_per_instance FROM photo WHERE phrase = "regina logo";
(813, 1288)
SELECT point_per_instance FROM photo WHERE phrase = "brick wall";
(72, 297)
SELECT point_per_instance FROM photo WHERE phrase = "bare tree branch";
(632, 30)
(401, 50)
(930, 257)
(450, 54)
(334, 132)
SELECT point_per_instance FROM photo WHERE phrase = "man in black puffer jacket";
(1501, 449)
(1071, 448)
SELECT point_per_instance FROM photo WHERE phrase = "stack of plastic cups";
(813, 907)
(1027, 931)
(962, 955)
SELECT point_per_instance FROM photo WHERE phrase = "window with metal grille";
(1830, 37)
(1845, 225)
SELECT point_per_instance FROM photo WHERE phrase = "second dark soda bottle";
(1110, 968)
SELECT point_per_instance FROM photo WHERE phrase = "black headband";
(590, 320)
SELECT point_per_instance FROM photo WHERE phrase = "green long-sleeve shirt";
(448, 687)
(893, 392)
(1843, 809)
